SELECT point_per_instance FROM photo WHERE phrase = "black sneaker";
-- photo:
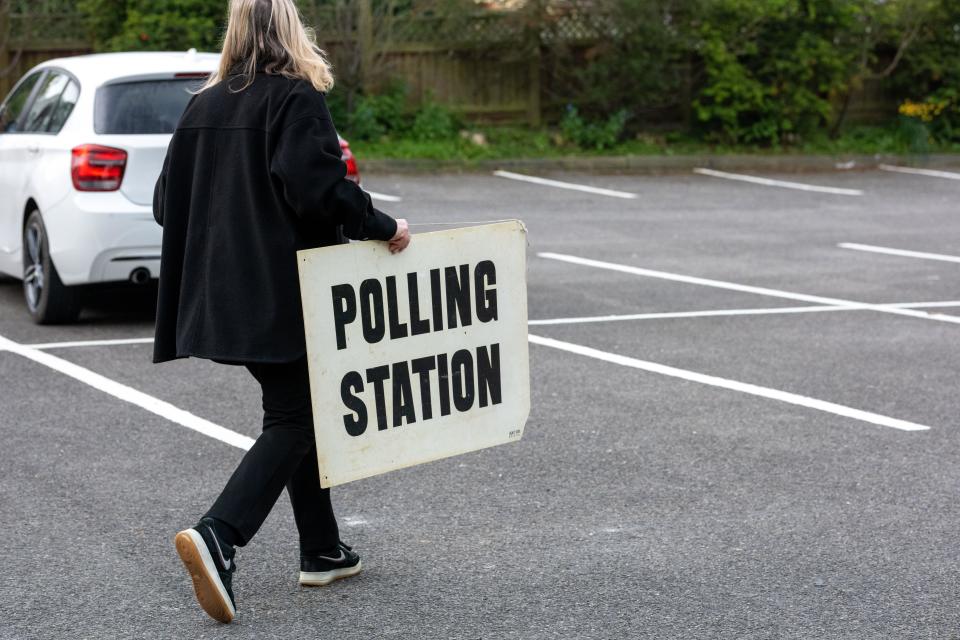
(317, 570)
(210, 564)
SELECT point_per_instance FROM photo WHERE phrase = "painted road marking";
(384, 197)
(778, 183)
(713, 313)
(942, 257)
(129, 394)
(949, 175)
(207, 428)
(732, 385)
(565, 185)
(710, 313)
(763, 291)
(88, 343)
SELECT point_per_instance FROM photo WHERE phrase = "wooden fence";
(484, 65)
(31, 33)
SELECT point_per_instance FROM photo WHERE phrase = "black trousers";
(285, 455)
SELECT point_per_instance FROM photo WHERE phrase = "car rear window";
(151, 106)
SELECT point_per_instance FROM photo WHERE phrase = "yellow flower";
(923, 111)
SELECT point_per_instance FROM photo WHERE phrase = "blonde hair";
(270, 34)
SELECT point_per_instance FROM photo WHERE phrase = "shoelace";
(340, 545)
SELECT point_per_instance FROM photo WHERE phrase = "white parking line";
(768, 182)
(384, 197)
(207, 428)
(710, 313)
(732, 385)
(763, 291)
(713, 313)
(685, 314)
(129, 394)
(88, 343)
(565, 185)
(899, 252)
(933, 173)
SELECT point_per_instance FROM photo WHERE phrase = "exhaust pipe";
(140, 276)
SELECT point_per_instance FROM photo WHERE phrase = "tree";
(772, 69)
(620, 55)
(880, 35)
(154, 25)
(928, 77)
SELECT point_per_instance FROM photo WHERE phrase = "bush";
(387, 114)
(434, 123)
(363, 123)
(374, 116)
(390, 108)
(338, 106)
(154, 25)
(913, 135)
(597, 135)
(929, 75)
(772, 68)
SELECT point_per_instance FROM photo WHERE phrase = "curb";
(667, 164)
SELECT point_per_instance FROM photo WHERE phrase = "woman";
(252, 175)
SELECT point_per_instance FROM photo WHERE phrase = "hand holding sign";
(401, 238)
(416, 357)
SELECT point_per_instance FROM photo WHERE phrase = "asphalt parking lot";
(739, 429)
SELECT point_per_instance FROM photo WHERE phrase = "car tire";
(48, 300)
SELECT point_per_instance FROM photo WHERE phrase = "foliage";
(338, 105)
(389, 114)
(613, 55)
(376, 115)
(929, 79)
(751, 72)
(154, 25)
(389, 108)
(434, 122)
(599, 135)
(923, 111)
(770, 74)
(511, 143)
(502, 142)
(772, 68)
(363, 122)
(754, 73)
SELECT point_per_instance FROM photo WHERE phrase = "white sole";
(211, 594)
(323, 578)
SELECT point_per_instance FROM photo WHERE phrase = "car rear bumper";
(102, 237)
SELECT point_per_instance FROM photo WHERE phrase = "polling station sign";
(416, 356)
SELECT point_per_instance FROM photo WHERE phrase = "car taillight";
(97, 168)
(352, 172)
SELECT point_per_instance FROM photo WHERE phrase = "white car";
(82, 141)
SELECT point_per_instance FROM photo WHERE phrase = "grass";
(519, 142)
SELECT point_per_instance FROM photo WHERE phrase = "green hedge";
(154, 25)
(765, 72)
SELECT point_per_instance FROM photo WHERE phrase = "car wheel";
(48, 300)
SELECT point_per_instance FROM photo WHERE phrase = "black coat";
(250, 178)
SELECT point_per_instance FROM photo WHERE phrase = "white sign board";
(416, 356)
